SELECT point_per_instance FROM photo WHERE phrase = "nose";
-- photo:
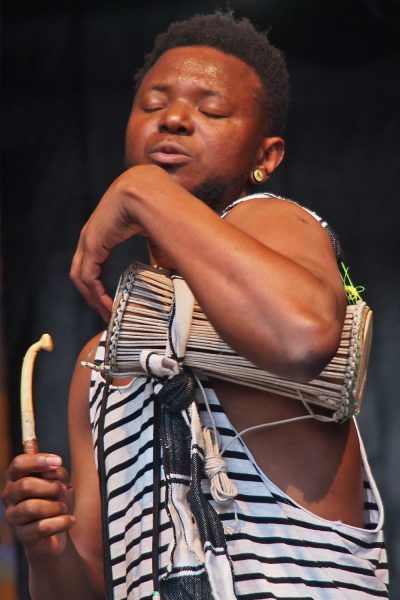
(177, 119)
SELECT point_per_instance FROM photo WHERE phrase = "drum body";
(140, 321)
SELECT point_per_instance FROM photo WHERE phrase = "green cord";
(352, 291)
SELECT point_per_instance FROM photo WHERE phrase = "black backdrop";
(66, 93)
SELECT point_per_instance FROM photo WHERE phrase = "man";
(204, 130)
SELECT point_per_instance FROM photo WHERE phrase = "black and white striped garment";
(277, 548)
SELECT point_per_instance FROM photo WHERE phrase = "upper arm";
(86, 533)
(293, 232)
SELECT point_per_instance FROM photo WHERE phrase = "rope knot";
(214, 464)
(221, 487)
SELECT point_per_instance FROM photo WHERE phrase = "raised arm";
(266, 276)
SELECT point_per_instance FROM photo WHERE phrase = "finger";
(102, 304)
(34, 510)
(33, 487)
(98, 299)
(24, 464)
(105, 304)
(35, 532)
(75, 273)
(94, 287)
(92, 264)
(60, 474)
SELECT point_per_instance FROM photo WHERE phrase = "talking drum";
(144, 305)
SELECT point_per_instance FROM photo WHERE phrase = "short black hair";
(239, 38)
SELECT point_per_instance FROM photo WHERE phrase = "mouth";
(169, 153)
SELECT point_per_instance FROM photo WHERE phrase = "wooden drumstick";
(29, 442)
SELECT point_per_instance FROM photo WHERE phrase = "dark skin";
(196, 118)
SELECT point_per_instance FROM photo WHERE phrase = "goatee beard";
(217, 193)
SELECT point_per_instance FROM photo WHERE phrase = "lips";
(169, 153)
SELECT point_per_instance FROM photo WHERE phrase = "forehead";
(205, 67)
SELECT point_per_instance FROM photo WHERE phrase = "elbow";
(301, 346)
(309, 366)
(312, 348)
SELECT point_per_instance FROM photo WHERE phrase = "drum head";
(364, 353)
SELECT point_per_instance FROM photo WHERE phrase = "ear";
(270, 154)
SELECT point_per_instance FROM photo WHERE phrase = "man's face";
(197, 114)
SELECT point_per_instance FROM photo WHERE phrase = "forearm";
(65, 577)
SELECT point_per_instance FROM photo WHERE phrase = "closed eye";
(150, 109)
(213, 115)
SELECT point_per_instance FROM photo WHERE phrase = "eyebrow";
(164, 88)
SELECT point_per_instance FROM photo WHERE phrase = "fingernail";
(53, 461)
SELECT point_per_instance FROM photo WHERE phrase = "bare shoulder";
(292, 231)
(268, 215)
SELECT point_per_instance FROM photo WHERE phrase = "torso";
(289, 454)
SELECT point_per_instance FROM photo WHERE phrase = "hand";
(38, 499)
(112, 222)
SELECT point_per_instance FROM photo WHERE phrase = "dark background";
(67, 71)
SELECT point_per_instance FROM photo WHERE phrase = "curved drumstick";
(27, 415)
